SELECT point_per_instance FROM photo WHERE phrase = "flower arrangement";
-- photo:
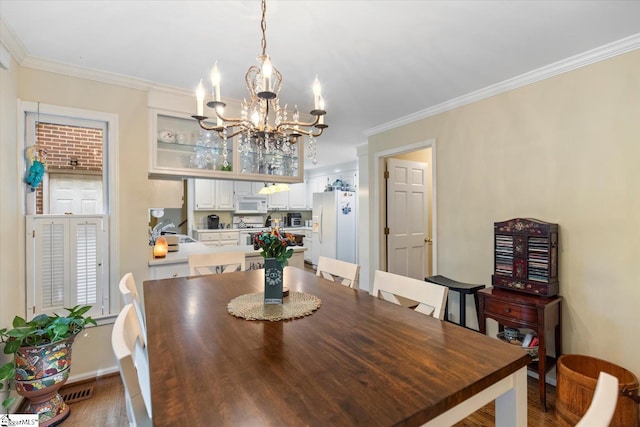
(275, 245)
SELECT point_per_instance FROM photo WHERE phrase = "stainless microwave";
(251, 204)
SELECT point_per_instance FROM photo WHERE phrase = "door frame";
(379, 196)
(112, 207)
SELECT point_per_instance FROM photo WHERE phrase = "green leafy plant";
(275, 245)
(41, 330)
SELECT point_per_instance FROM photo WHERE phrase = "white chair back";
(126, 340)
(429, 297)
(128, 288)
(339, 271)
(130, 295)
(603, 404)
(214, 263)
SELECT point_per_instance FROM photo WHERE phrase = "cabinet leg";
(542, 380)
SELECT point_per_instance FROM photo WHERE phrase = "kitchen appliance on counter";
(213, 222)
(334, 226)
(293, 219)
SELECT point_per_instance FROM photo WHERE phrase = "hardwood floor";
(107, 408)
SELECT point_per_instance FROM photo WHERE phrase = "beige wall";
(92, 353)
(562, 150)
(11, 243)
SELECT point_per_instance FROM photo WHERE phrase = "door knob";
(428, 240)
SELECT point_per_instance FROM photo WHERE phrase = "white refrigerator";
(334, 226)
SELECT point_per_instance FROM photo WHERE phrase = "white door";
(76, 194)
(407, 218)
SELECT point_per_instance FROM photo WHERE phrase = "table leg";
(511, 407)
(463, 309)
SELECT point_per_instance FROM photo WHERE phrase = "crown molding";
(13, 44)
(601, 53)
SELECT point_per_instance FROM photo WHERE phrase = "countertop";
(256, 230)
(186, 249)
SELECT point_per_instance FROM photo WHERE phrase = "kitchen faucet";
(157, 231)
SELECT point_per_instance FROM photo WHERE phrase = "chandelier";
(267, 137)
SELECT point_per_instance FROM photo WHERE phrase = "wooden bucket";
(577, 378)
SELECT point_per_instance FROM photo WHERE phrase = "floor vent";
(77, 393)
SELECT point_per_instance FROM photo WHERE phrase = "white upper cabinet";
(247, 188)
(205, 194)
(224, 195)
(211, 194)
(298, 196)
(278, 200)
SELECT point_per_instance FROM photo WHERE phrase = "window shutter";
(53, 274)
(66, 260)
(86, 272)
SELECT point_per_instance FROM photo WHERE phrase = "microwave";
(251, 204)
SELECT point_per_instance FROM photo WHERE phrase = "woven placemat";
(252, 306)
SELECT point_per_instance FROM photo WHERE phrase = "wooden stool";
(463, 290)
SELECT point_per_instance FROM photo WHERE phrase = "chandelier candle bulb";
(267, 70)
(200, 98)
(317, 92)
(321, 105)
(215, 82)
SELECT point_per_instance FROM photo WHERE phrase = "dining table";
(355, 361)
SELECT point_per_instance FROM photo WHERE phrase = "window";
(72, 214)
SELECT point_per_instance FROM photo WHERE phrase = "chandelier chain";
(263, 26)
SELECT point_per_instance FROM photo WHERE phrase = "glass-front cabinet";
(180, 148)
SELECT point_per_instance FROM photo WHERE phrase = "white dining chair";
(214, 263)
(603, 405)
(129, 293)
(339, 271)
(126, 340)
(428, 298)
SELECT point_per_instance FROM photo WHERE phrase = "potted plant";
(41, 351)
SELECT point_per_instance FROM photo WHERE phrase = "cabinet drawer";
(512, 311)
(207, 237)
(230, 235)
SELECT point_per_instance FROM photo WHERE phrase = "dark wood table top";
(357, 361)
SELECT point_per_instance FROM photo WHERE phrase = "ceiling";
(378, 61)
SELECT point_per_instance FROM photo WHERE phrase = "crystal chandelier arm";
(308, 132)
(287, 124)
(201, 120)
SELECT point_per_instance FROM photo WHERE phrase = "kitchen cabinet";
(179, 148)
(295, 198)
(211, 194)
(307, 242)
(278, 201)
(247, 188)
(216, 238)
(224, 195)
(298, 196)
(204, 194)
(169, 271)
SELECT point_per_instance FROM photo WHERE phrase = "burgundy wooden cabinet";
(526, 256)
(520, 310)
